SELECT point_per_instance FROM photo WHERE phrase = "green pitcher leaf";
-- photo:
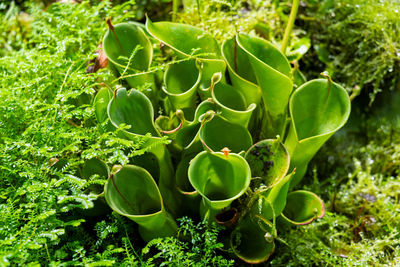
(190, 41)
(133, 193)
(130, 52)
(318, 109)
(190, 197)
(95, 166)
(232, 104)
(189, 134)
(91, 167)
(167, 125)
(184, 39)
(273, 73)
(219, 133)
(132, 108)
(101, 100)
(251, 243)
(269, 160)
(208, 68)
(149, 162)
(182, 178)
(170, 126)
(219, 179)
(181, 82)
(303, 207)
(272, 202)
(240, 71)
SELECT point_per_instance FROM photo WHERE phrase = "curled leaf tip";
(269, 238)
(116, 90)
(115, 169)
(226, 151)
(209, 115)
(109, 24)
(355, 92)
(180, 114)
(216, 77)
(326, 75)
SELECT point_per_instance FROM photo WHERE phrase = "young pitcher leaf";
(249, 242)
(132, 192)
(232, 104)
(219, 179)
(185, 39)
(219, 133)
(130, 52)
(134, 109)
(303, 207)
(181, 81)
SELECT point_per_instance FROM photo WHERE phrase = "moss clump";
(356, 41)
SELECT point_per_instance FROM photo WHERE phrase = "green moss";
(357, 41)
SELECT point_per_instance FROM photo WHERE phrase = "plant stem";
(289, 26)
(175, 5)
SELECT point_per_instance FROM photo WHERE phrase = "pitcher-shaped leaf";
(95, 166)
(240, 71)
(190, 197)
(303, 207)
(185, 39)
(134, 109)
(129, 50)
(252, 243)
(190, 41)
(181, 82)
(167, 125)
(219, 133)
(269, 160)
(101, 100)
(232, 104)
(273, 73)
(133, 193)
(318, 109)
(219, 179)
(188, 136)
(271, 203)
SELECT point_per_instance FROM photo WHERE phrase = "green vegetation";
(357, 41)
(48, 130)
(359, 180)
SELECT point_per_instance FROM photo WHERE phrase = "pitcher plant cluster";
(242, 124)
